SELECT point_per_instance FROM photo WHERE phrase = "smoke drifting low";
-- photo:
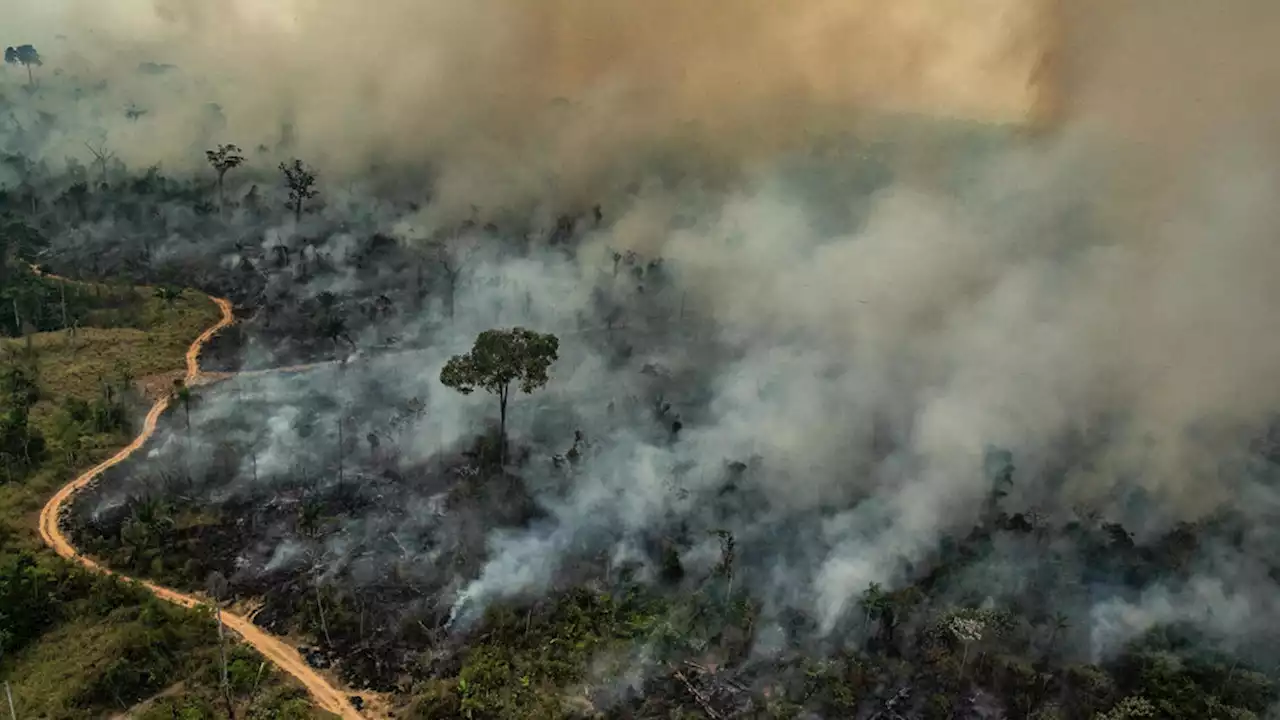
(850, 307)
(511, 99)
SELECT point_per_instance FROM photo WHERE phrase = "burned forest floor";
(648, 638)
(83, 364)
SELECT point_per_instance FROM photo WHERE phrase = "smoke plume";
(512, 99)
(860, 290)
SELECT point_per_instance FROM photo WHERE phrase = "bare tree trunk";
(8, 693)
(253, 694)
(502, 425)
(186, 456)
(453, 291)
(222, 653)
(417, 297)
(324, 626)
(360, 601)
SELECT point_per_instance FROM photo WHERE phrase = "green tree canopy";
(301, 181)
(499, 360)
(25, 55)
(223, 160)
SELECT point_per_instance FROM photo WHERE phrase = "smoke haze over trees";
(805, 348)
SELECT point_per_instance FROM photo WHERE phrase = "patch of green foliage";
(499, 360)
(537, 661)
(74, 644)
(524, 661)
(22, 446)
(541, 662)
(78, 644)
(255, 695)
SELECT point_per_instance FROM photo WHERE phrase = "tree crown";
(300, 179)
(226, 157)
(22, 55)
(501, 357)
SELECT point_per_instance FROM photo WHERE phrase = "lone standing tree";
(24, 55)
(223, 160)
(301, 181)
(498, 360)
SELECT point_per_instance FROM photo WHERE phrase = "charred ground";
(850, 432)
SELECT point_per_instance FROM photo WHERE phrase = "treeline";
(31, 302)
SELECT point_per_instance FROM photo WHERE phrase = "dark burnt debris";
(646, 532)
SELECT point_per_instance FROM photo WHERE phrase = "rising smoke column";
(1117, 274)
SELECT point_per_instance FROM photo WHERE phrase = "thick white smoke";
(866, 340)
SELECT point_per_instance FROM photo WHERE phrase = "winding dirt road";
(326, 696)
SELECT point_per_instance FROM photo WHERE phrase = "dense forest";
(925, 419)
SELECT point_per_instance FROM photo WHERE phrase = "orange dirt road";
(326, 696)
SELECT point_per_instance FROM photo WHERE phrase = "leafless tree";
(452, 256)
(102, 156)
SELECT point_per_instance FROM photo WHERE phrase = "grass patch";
(536, 661)
(96, 363)
(73, 644)
(75, 664)
(153, 340)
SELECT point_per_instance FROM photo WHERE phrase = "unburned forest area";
(341, 388)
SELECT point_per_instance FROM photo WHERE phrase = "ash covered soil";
(841, 417)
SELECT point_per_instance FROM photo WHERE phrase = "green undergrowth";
(541, 661)
(553, 659)
(81, 389)
(74, 644)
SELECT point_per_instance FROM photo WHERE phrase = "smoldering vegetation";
(937, 421)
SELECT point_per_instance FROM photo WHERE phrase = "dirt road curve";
(286, 658)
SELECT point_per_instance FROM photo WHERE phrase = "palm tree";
(148, 521)
(333, 326)
(728, 552)
(152, 512)
(310, 516)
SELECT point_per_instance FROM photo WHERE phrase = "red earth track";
(325, 694)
